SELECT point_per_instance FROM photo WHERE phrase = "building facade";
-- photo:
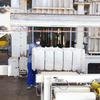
(57, 23)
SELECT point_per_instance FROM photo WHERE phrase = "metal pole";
(32, 34)
(71, 37)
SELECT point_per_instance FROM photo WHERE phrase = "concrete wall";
(91, 59)
(19, 41)
(5, 18)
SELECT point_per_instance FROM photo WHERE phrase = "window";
(86, 9)
(94, 41)
(55, 36)
(96, 8)
(5, 2)
(29, 4)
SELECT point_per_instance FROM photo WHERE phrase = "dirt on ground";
(16, 89)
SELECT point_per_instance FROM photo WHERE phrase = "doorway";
(5, 49)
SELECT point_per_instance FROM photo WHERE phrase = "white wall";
(15, 44)
(5, 19)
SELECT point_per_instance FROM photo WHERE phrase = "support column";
(47, 88)
(15, 44)
(23, 41)
(15, 3)
(19, 42)
(80, 35)
(80, 30)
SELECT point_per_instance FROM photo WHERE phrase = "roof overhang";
(56, 21)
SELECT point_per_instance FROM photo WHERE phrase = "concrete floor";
(16, 89)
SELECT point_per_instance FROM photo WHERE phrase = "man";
(31, 78)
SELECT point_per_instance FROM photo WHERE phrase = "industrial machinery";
(95, 85)
(3, 43)
(61, 75)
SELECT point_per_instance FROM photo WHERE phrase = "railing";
(82, 1)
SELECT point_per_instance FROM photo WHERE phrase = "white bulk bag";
(83, 60)
(49, 58)
(58, 59)
(77, 59)
(38, 58)
(67, 53)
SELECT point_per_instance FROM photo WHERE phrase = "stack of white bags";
(49, 58)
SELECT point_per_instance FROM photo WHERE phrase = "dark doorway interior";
(94, 68)
(29, 4)
(5, 2)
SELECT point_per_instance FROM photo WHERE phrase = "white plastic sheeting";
(58, 59)
(38, 58)
(76, 96)
(13, 69)
(50, 58)
(23, 63)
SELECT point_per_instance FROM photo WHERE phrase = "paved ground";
(15, 89)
